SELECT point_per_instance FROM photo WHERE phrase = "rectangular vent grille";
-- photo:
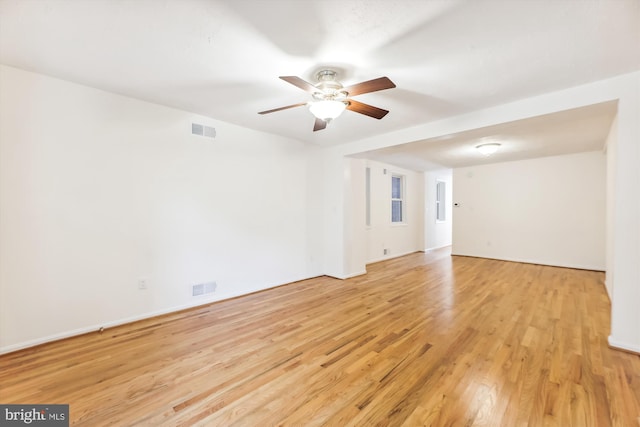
(203, 289)
(209, 132)
(203, 130)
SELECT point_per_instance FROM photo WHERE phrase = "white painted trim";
(533, 261)
(360, 273)
(348, 276)
(95, 328)
(372, 261)
(623, 345)
(437, 247)
(606, 287)
(199, 302)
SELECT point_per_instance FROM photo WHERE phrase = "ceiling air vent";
(202, 130)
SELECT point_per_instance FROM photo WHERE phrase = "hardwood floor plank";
(425, 339)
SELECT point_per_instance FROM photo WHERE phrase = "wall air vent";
(203, 130)
(203, 289)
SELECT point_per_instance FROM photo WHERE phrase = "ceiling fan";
(330, 98)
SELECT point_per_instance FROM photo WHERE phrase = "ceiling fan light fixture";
(327, 110)
(330, 98)
(488, 148)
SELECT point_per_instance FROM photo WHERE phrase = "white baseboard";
(348, 276)
(95, 328)
(199, 301)
(437, 247)
(361, 272)
(538, 262)
(391, 256)
(614, 343)
(606, 287)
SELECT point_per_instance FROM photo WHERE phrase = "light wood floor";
(426, 339)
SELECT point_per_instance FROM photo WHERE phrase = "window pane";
(440, 201)
(368, 195)
(396, 211)
(396, 187)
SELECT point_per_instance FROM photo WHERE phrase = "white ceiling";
(565, 132)
(222, 59)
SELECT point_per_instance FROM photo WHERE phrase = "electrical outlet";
(142, 284)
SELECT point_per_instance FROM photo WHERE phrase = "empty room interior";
(306, 213)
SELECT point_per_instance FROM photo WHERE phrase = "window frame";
(441, 199)
(367, 180)
(401, 199)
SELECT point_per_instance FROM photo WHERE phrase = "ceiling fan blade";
(282, 108)
(370, 86)
(302, 84)
(319, 125)
(366, 109)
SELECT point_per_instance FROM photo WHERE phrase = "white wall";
(398, 239)
(611, 144)
(625, 324)
(624, 275)
(438, 234)
(99, 190)
(546, 211)
(355, 198)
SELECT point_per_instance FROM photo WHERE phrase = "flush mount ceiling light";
(488, 148)
(327, 110)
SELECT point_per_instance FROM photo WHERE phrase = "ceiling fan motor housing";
(329, 88)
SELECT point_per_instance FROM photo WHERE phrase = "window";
(440, 201)
(397, 198)
(368, 195)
